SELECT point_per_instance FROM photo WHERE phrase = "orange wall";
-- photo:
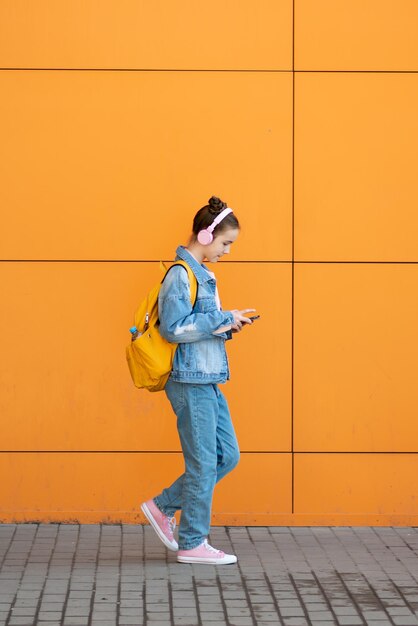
(117, 121)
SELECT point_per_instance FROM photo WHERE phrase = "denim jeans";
(210, 450)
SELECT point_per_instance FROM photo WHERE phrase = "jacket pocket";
(210, 357)
(185, 358)
(205, 305)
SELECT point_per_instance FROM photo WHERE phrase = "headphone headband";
(205, 236)
(219, 219)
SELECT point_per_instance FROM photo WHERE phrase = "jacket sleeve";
(228, 334)
(178, 323)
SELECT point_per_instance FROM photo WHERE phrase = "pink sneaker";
(162, 524)
(205, 554)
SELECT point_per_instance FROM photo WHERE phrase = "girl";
(207, 436)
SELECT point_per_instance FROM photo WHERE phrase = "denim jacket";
(199, 331)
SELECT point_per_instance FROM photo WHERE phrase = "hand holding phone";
(239, 321)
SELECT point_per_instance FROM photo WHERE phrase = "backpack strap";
(192, 279)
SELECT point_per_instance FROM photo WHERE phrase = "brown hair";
(205, 216)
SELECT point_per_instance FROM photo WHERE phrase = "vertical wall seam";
(293, 260)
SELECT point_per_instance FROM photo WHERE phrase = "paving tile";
(293, 575)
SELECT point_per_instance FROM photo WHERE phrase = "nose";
(226, 250)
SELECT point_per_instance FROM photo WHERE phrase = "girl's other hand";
(240, 319)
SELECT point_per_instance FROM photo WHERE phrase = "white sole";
(196, 559)
(174, 547)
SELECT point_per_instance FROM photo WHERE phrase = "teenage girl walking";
(207, 436)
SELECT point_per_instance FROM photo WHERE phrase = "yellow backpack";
(150, 356)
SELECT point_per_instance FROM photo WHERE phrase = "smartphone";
(254, 317)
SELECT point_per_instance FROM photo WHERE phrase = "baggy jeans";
(210, 451)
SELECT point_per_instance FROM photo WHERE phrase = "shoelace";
(210, 548)
(171, 523)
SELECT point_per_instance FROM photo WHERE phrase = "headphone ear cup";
(205, 237)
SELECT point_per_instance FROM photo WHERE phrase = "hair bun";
(216, 205)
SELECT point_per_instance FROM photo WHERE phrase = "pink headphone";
(205, 236)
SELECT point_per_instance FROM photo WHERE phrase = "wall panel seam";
(312, 452)
(253, 261)
(293, 269)
(242, 71)
(144, 70)
(128, 451)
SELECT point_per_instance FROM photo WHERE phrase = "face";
(221, 244)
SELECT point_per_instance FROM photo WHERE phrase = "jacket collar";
(199, 270)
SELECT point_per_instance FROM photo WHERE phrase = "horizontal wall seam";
(249, 71)
(355, 452)
(125, 261)
(223, 262)
(116, 261)
(296, 452)
(128, 452)
(140, 69)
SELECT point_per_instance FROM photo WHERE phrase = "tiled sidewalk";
(113, 575)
